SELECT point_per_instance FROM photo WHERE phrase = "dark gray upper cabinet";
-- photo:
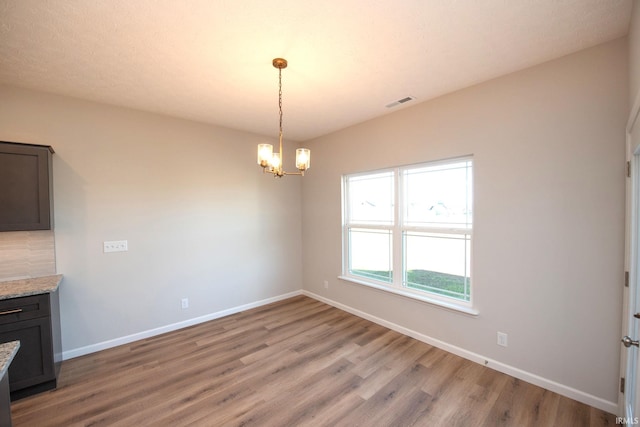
(25, 187)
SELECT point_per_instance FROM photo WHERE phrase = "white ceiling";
(210, 60)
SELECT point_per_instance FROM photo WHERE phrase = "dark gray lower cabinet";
(5, 403)
(35, 322)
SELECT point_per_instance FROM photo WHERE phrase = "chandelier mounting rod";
(280, 63)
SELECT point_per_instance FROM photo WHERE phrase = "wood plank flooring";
(297, 362)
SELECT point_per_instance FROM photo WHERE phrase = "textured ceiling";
(210, 60)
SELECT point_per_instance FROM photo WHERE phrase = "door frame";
(629, 399)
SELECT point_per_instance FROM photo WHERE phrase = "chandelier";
(272, 162)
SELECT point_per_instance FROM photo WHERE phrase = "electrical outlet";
(115, 246)
(326, 284)
(502, 339)
(185, 303)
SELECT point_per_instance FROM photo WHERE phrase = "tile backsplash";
(27, 254)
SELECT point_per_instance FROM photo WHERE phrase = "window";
(409, 230)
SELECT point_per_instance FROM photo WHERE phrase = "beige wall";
(200, 218)
(548, 147)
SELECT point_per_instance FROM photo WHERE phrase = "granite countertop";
(31, 286)
(7, 352)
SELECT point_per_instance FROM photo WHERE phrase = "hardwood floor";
(294, 362)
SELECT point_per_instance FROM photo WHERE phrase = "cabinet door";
(5, 403)
(33, 364)
(25, 187)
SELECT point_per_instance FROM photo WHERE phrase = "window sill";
(424, 298)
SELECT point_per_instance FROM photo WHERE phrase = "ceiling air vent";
(400, 101)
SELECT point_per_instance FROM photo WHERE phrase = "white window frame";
(398, 230)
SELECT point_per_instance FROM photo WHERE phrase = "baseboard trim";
(529, 377)
(81, 351)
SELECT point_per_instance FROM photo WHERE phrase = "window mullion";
(346, 218)
(398, 251)
(371, 226)
(436, 230)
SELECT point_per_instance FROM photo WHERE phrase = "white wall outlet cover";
(502, 339)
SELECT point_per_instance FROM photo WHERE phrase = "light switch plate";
(115, 246)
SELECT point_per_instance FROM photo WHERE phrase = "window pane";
(438, 263)
(370, 254)
(371, 198)
(439, 195)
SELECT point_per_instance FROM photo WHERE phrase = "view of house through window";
(410, 228)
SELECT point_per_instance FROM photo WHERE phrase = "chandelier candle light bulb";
(276, 162)
(272, 162)
(265, 154)
(303, 159)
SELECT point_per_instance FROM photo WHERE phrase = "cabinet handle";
(17, 310)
